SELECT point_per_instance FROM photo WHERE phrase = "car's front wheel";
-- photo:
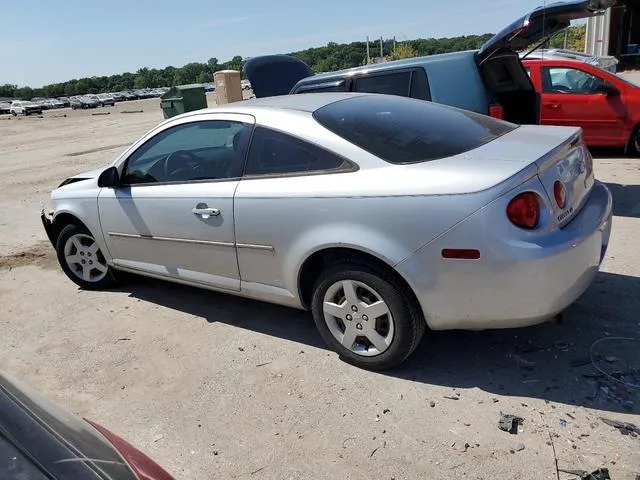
(82, 260)
(366, 315)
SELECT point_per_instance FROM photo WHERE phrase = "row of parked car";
(38, 104)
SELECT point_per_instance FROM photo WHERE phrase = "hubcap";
(84, 258)
(358, 317)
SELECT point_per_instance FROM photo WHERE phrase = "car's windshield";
(404, 130)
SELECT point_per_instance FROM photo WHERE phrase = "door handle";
(204, 211)
(552, 106)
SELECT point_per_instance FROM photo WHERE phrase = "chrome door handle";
(205, 212)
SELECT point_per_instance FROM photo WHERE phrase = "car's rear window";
(404, 130)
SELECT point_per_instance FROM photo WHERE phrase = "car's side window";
(203, 150)
(396, 83)
(569, 80)
(276, 153)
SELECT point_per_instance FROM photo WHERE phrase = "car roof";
(305, 103)
(380, 67)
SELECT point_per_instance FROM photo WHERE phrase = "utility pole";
(566, 37)
(368, 55)
(381, 53)
(394, 44)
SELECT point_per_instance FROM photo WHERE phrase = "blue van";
(491, 80)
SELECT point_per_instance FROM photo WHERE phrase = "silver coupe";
(383, 215)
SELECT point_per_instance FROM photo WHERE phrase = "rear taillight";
(143, 467)
(524, 210)
(496, 111)
(559, 193)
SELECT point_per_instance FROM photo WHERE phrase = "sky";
(48, 41)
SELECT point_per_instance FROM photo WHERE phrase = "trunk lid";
(273, 75)
(543, 22)
(569, 170)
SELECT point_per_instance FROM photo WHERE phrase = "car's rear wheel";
(633, 148)
(366, 315)
(82, 260)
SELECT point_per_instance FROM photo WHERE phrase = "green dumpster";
(183, 98)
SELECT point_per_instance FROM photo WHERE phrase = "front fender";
(86, 211)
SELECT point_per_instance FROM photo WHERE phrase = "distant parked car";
(117, 96)
(381, 214)
(605, 62)
(5, 107)
(84, 101)
(576, 93)
(105, 99)
(24, 107)
(491, 80)
(41, 441)
(129, 95)
(65, 101)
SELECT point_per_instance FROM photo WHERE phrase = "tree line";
(330, 57)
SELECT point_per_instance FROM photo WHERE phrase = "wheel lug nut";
(359, 326)
(354, 308)
(349, 317)
(365, 318)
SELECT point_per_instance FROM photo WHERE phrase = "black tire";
(408, 321)
(101, 283)
(633, 147)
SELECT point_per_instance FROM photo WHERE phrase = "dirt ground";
(212, 386)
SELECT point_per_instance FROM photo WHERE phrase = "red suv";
(578, 94)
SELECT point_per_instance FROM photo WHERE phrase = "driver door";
(172, 214)
(570, 97)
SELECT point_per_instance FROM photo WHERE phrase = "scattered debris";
(101, 113)
(374, 451)
(241, 349)
(570, 416)
(463, 447)
(256, 471)
(563, 422)
(610, 359)
(452, 397)
(495, 400)
(600, 474)
(263, 364)
(509, 423)
(386, 410)
(524, 363)
(346, 440)
(132, 111)
(123, 339)
(157, 438)
(432, 404)
(624, 427)
(517, 448)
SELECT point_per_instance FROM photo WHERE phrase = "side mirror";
(608, 90)
(109, 178)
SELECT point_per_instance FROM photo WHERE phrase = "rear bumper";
(515, 283)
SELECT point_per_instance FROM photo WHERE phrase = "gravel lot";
(212, 386)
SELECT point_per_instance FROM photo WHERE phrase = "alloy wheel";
(358, 317)
(83, 256)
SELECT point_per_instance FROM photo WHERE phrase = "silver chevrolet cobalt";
(382, 215)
